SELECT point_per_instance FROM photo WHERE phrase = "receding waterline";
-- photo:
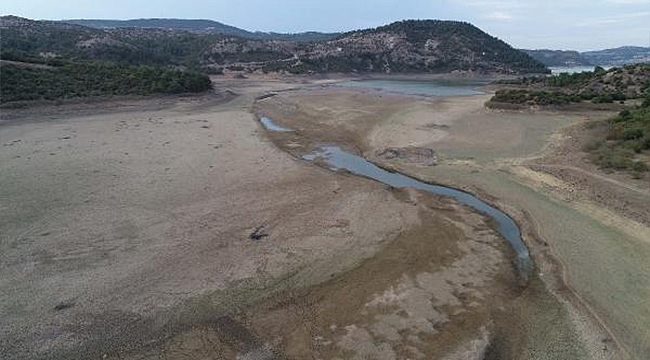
(337, 158)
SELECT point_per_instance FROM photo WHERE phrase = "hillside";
(598, 86)
(201, 27)
(625, 55)
(420, 46)
(558, 57)
(619, 56)
(38, 41)
(409, 46)
(44, 60)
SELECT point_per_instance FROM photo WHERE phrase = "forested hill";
(619, 56)
(202, 27)
(414, 46)
(433, 46)
(626, 55)
(558, 57)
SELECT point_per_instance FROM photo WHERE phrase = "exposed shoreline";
(324, 200)
(542, 252)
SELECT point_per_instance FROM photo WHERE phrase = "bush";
(629, 135)
(632, 134)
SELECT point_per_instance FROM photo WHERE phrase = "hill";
(599, 86)
(625, 55)
(200, 26)
(619, 56)
(43, 60)
(415, 46)
(420, 46)
(558, 57)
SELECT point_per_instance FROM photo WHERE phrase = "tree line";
(82, 79)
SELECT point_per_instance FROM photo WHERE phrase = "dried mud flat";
(181, 229)
(126, 232)
(497, 154)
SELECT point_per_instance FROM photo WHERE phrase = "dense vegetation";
(136, 47)
(202, 27)
(532, 98)
(47, 60)
(21, 82)
(628, 136)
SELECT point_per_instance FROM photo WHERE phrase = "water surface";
(556, 70)
(427, 88)
(269, 124)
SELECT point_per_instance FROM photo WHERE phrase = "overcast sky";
(567, 24)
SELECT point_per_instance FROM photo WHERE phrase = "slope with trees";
(598, 86)
(406, 46)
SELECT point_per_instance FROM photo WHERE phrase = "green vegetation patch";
(526, 97)
(71, 80)
(628, 136)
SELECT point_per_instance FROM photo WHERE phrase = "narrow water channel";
(337, 158)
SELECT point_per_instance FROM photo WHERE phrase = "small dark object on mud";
(64, 305)
(258, 234)
(412, 155)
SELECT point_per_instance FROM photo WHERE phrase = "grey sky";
(569, 24)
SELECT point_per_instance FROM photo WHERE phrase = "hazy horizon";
(571, 25)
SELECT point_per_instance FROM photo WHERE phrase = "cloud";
(628, 2)
(499, 16)
(614, 19)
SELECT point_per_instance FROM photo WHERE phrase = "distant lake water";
(555, 70)
(426, 88)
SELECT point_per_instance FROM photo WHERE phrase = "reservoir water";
(426, 88)
(556, 70)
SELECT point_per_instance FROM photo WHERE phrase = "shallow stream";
(337, 159)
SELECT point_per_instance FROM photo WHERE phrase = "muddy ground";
(593, 226)
(126, 232)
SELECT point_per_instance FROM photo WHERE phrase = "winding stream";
(338, 158)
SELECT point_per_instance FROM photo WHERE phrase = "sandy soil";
(125, 232)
